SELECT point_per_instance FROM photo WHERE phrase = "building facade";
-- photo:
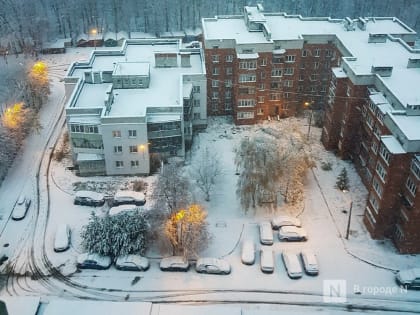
(127, 105)
(362, 72)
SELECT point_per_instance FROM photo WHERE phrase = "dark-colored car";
(89, 198)
(93, 261)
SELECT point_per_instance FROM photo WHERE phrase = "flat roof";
(92, 95)
(409, 125)
(392, 145)
(132, 68)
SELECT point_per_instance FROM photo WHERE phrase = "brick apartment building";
(364, 73)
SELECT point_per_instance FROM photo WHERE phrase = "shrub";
(326, 166)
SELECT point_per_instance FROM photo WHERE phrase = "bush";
(326, 166)
(342, 180)
(139, 185)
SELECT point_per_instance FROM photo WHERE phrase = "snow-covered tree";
(342, 182)
(125, 233)
(206, 171)
(187, 231)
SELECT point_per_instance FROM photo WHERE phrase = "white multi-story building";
(125, 105)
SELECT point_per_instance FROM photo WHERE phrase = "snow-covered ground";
(365, 265)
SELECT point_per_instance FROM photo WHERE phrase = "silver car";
(310, 262)
(284, 220)
(174, 263)
(213, 266)
(132, 263)
(292, 233)
(21, 208)
(248, 252)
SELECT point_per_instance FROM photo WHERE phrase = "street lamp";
(94, 32)
(349, 218)
(309, 105)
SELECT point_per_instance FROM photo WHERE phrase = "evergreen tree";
(342, 182)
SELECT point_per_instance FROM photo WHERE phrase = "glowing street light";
(94, 32)
(308, 105)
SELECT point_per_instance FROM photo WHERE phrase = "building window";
(398, 233)
(260, 111)
(229, 71)
(377, 187)
(316, 65)
(119, 164)
(247, 51)
(229, 58)
(278, 59)
(314, 77)
(247, 78)
(369, 121)
(348, 92)
(385, 154)
(228, 94)
(274, 96)
(215, 83)
(374, 147)
(301, 77)
(317, 52)
(134, 164)
(276, 72)
(118, 149)
(380, 170)
(133, 149)
(411, 186)
(245, 115)
(288, 83)
(328, 53)
(215, 58)
(289, 71)
(300, 88)
(84, 128)
(372, 107)
(260, 99)
(248, 65)
(370, 217)
(262, 75)
(228, 83)
(261, 86)
(415, 168)
(215, 71)
(263, 62)
(287, 95)
(302, 65)
(132, 133)
(116, 133)
(246, 103)
(196, 116)
(196, 103)
(290, 58)
(215, 95)
(274, 85)
(228, 106)
(304, 53)
(313, 89)
(214, 106)
(374, 202)
(196, 89)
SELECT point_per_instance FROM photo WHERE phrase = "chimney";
(349, 24)
(361, 23)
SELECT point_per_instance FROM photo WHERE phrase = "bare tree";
(206, 171)
(187, 231)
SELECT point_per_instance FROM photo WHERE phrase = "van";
(267, 260)
(292, 265)
(62, 238)
(266, 233)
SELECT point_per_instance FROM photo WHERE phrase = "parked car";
(266, 233)
(267, 260)
(292, 233)
(62, 238)
(122, 208)
(132, 263)
(292, 264)
(409, 278)
(89, 198)
(3, 258)
(193, 44)
(174, 263)
(212, 265)
(284, 220)
(310, 262)
(126, 197)
(93, 261)
(21, 208)
(248, 252)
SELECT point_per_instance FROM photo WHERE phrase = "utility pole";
(349, 220)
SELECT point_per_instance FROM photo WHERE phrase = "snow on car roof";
(89, 194)
(129, 193)
(122, 208)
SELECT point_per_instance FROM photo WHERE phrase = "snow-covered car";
(266, 233)
(62, 238)
(310, 262)
(89, 198)
(93, 261)
(126, 197)
(132, 263)
(248, 252)
(409, 278)
(267, 260)
(292, 265)
(212, 265)
(284, 220)
(121, 209)
(292, 233)
(174, 263)
(21, 208)
(193, 44)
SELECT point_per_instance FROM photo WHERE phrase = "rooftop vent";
(260, 7)
(377, 38)
(361, 23)
(383, 71)
(349, 24)
(413, 62)
(166, 60)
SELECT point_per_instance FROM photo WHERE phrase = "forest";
(38, 21)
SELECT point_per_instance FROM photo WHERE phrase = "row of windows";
(245, 115)
(380, 170)
(132, 133)
(84, 128)
(411, 186)
(246, 103)
(120, 164)
(132, 148)
(415, 168)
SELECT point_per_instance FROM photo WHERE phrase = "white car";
(292, 264)
(21, 208)
(248, 252)
(266, 233)
(292, 233)
(310, 262)
(93, 261)
(132, 263)
(174, 263)
(122, 208)
(409, 278)
(284, 220)
(62, 238)
(212, 265)
(267, 260)
(125, 197)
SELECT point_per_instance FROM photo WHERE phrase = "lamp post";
(309, 105)
(94, 32)
(349, 218)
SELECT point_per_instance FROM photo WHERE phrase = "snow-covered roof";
(158, 118)
(67, 307)
(132, 68)
(392, 145)
(187, 89)
(248, 56)
(409, 125)
(92, 95)
(89, 194)
(121, 194)
(141, 35)
(339, 73)
(279, 51)
(84, 120)
(89, 157)
(378, 98)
